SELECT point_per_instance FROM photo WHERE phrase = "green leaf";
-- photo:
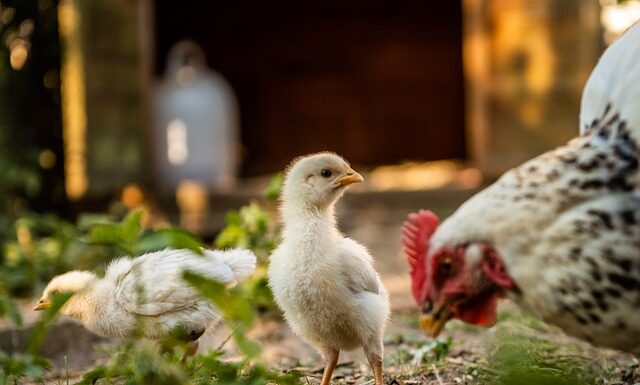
(122, 235)
(20, 365)
(254, 217)
(233, 218)
(233, 236)
(106, 234)
(175, 238)
(92, 376)
(131, 226)
(86, 221)
(232, 306)
(236, 310)
(272, 192)
(8, 307)
(39, 331)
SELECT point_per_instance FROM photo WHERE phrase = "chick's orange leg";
(374, 356)
(192, 348)
(330, 362)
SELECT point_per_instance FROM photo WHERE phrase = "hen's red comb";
(416, 233)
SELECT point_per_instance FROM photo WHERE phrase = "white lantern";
(195, 123)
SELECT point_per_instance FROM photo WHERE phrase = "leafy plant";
(517, 358)
(142, 364)
(22, 365)
(42, 246)
(29, 364)
(128, 237)
(249, 228)
(9, 309)
(253, 227)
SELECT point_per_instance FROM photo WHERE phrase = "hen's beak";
(42, 304)
(350, 177)
(432, 322)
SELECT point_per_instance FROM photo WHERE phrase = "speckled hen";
(560, 234)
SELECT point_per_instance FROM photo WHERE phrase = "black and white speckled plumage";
(567, 223)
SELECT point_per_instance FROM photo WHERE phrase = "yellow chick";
(325, 283)
(148, 292)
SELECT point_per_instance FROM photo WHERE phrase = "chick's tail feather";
(242, 262)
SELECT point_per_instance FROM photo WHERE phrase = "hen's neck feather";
(511, 213)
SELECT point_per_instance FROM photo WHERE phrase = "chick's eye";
(445, 267)
(325, 173)
(54, 292)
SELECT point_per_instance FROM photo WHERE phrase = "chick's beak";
(433, 320)
(350, 177)
(42, 304)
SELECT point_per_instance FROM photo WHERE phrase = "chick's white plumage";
(325, 283)
(148, 292)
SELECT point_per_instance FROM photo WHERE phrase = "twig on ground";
(228, 338)
(435, 371)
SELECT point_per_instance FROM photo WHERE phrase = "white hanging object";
(196, 123)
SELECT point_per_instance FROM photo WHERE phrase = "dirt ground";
(463, 355)
(410, 357)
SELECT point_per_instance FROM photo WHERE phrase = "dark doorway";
(377, 81)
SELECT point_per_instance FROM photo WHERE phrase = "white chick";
(147, 294)
(325, 283)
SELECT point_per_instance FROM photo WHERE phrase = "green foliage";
(248, 228)
(127, 237)
(137, 364)
(430, 352)
(236, 309)
(517, 358)
(142, 364)
(122, 235)
(30, 364)
(164, 238)
(39, 331)
(253, 227)
(18, 366)
(41, 246)
(9, 309)
(272, 192)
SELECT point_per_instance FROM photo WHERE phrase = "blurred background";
(189, 109)
(183, 112)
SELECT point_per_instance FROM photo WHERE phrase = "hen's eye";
(325, 172)
(55, 292)
(446, 266)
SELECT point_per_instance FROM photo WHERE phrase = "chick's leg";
(374, 356)
(192, 348)
(330, 361)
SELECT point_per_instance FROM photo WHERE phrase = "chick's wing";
(356, 268)
(154, 286)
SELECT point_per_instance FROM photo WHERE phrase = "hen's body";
(569, 236)
(566, 225)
